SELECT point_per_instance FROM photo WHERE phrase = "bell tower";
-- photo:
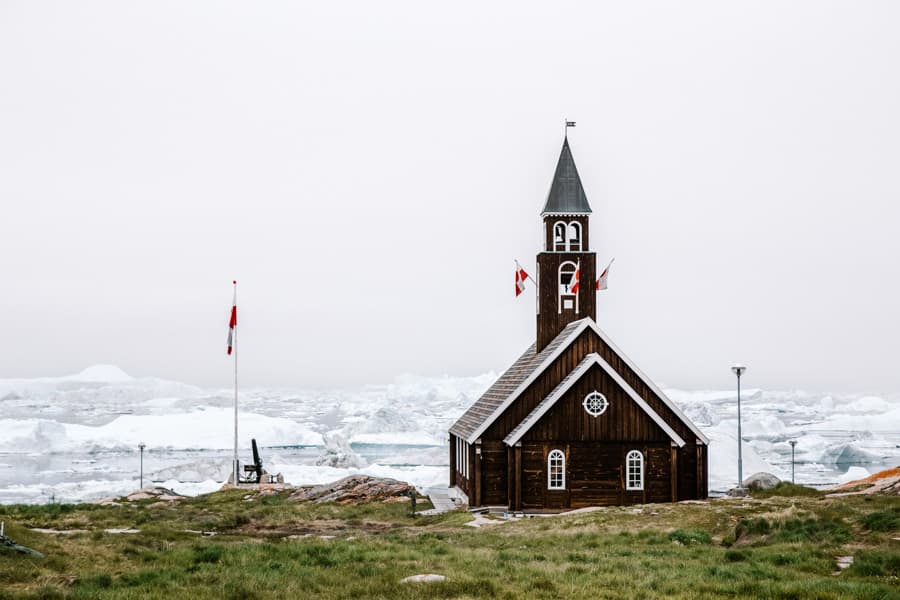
(564, 297)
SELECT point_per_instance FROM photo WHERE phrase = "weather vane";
(568, 124)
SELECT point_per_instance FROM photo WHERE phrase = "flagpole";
(235, 467)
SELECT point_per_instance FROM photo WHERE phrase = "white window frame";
(587, 402)
(559, 455)
(629, 470)
(466, 459)
(571, 242)
(557, 246)
(560, 293)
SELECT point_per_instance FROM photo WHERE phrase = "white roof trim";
(524, 385)
(649, 383)
(585, 323)
(573, 378)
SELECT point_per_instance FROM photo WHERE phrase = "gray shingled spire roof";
(566, 193)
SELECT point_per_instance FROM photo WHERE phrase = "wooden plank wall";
(573, 425)
(595, 475)
(549, 320)
(495, 481)
(567, 361)
(623, 420)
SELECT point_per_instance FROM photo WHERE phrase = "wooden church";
(573, 422)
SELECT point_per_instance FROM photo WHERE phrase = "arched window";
(574, 236)
(568, 300)
(559, 236)
(634, 471)
(556, 470)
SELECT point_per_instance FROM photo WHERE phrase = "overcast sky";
(368, 171)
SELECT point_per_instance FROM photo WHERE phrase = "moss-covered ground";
(780, 546)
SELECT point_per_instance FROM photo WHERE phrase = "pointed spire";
(566, 193)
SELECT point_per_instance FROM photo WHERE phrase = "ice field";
(76, 438)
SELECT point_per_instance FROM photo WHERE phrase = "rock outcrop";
(354, 489)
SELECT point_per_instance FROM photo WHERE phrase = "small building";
(574, 422)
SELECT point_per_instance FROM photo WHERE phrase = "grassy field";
(781, 546)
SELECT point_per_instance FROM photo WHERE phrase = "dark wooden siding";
(457, 475)
(623, 420)
(549, 320)
(595, 475)
(586, 343)
(603, 439)
(494, 482)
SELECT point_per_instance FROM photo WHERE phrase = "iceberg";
(76, 437)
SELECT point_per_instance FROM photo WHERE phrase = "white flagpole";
(235, 465)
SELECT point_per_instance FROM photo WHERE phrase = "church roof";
(568, 381)
(526, 370)
(482, 412)
(566, 192)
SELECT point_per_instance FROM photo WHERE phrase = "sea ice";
(75, 437)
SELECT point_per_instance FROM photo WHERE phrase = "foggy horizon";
(369, 174)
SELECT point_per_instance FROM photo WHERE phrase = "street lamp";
(141, 446)
(739, 370)
(792, 443)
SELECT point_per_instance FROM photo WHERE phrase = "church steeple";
(566, 192)
(565, 215)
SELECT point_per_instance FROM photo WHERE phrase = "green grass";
(785, 488)
(883, 520)
(780, 547)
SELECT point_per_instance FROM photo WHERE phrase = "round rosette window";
(595, 404)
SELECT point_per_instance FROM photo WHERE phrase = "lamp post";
(739, 370)
(141, 447)
(792, 443)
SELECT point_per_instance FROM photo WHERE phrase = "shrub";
(208, 554)
(786, 488)
(883, 520)
(752, 527)
(814, 530)
(95, 581)
(690, 536)
(736, 555)
(876, 563)
(827, 529)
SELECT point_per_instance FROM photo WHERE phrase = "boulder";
(761, 481)
(423, 578)
(354, 489)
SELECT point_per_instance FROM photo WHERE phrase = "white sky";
(368, 172)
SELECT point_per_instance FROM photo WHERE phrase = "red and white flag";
(601, 281)
(521, 276)
(576, 279)
(232, 322)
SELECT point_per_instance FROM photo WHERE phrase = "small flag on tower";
(521, 275)
(570, 124)
(601, 281)
(576, 278)
(232, 322)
